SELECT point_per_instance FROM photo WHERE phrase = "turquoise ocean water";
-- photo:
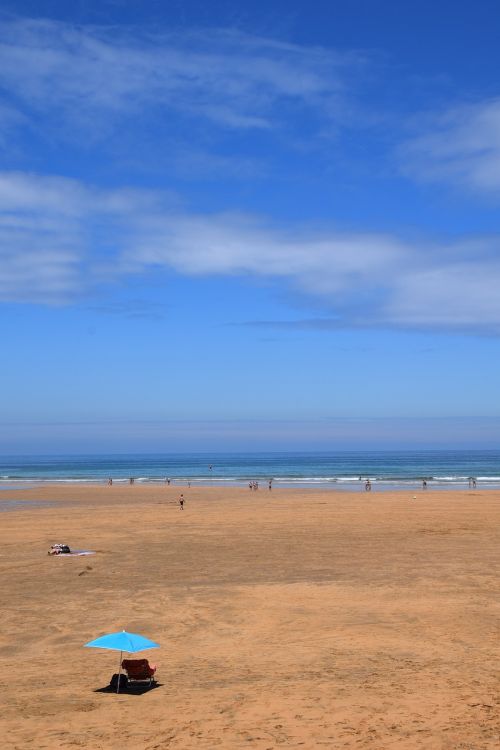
(340, 470)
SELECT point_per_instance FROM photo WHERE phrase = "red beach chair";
(139, 670)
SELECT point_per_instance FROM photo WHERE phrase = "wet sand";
(287, 619)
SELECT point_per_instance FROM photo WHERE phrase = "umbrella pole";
(119, 673)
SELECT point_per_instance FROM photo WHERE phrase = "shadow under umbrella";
(131, 689)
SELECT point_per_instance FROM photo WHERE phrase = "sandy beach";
(290, 618)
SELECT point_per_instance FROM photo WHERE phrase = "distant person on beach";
(131, 480)
(110, 482)
(368, 486)
(167, 480)
(424, 484)
(270, 485)
(189, 483)
(181, 502)
(474, 482)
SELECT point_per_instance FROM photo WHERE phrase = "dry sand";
(287, 619)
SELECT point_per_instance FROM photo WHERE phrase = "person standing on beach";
(368, 485)
(270, 485)
(181, 502)
(424, 484)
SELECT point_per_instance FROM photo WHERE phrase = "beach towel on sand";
(63, 550)
(76, 553)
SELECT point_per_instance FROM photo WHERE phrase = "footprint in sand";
(84, 572)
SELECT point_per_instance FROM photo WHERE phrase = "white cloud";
(369, 279)
(49, 227)
(233, 244)
(461, 148)
(463, 296)
(60, 238)
(40, 245)
(92, 75)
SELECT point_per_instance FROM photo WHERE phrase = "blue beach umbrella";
(122, 641)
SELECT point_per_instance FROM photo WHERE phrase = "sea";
(441, 469)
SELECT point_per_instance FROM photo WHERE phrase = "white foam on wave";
(450, 479)
(304, 479)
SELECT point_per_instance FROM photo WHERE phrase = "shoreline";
(350, 486)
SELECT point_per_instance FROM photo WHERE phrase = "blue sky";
(249, 226)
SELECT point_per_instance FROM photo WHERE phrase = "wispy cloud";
(41, 247)
(366, 279)
(96, 76)
(60, 238)
(460, 148)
